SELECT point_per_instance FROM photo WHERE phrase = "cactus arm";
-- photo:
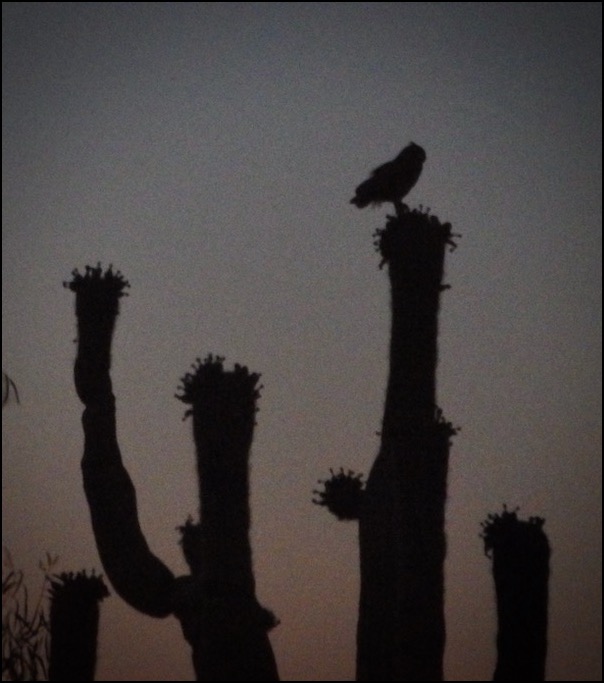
(137, 575)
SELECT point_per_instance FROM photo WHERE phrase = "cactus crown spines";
(391, 239)
(208, 382)
(504, 528)
(79, 586)
(342, 494)
(95, 280)
(97, 294)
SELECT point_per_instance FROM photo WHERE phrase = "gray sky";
(209, 151)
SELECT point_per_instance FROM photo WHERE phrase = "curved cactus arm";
(137, 575)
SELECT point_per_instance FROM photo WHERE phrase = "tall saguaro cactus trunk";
(401, 631)
(520, 552)
(231, 628)
(216, 605)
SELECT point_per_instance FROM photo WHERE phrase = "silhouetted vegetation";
(401, 511)
(8, 388)
(59, 647)
(25, 627)
(520, 554)
(342, 495)
(230, 625)
(401, 630)
(216, 604)
(74, 625)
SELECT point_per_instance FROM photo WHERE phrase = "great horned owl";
(393, 180)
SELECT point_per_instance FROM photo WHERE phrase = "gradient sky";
(209, 151)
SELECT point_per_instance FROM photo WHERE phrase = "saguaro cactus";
(215, 605)
(401, 631)
(74, 625)
(231, 626)
(520, 553)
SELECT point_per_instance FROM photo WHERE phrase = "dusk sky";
(209, 151)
